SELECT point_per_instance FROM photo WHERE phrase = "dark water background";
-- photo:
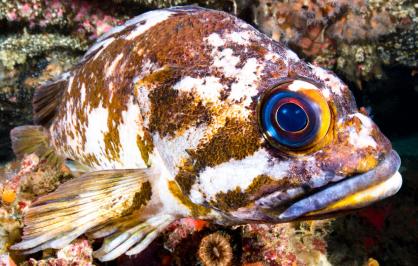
(393, 105)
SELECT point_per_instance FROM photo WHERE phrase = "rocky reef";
(354, 38)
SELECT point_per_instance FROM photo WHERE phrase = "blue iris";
(291, 117)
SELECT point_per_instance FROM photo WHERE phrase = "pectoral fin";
(77, 169)
(89, 201)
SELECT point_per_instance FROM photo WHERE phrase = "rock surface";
(355, 38)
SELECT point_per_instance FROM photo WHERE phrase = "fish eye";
(294, 119)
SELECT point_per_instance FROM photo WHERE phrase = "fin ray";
(98, 207)
(134, 239)
(76, 200)
(47, 99)
(113, 226)
(34, 139)
(147, 239)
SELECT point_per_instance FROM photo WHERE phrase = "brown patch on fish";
(235, 140)
(161, 77)
(196, 210)
(231, 200)
(179, 40)
(187, 174)
(261, 185)
(145, 146)
(173, 111)
(89, 159)
(264, 184)
(140, 198)
(112, 142)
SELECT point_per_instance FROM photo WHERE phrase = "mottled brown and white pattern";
(176, 92)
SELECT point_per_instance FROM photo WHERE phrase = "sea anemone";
(215, 249)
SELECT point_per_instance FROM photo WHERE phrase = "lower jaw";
(355, 192)
(364, 197)
(345, 205)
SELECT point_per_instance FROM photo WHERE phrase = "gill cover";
(294, 115)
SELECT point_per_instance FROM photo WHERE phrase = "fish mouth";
(351, 193)
(355, 192)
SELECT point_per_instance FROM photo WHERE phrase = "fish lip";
(323, 198)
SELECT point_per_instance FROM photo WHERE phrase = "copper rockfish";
(189, 112)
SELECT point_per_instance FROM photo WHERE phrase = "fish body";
(189, 112)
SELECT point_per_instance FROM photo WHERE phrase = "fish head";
(322, 156)
(318, 154)
(259, 134)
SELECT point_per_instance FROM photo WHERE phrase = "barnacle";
(215, 249)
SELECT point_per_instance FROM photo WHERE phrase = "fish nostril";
(381, 157)
(363, 110)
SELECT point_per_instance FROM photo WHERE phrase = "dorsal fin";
(47, 99)
(34, 139)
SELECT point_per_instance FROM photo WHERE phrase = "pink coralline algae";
(182, 229)
(78, 253)
(286, 244)
(9, 188)
(82, 17)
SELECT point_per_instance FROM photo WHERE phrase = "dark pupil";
(291, 117)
